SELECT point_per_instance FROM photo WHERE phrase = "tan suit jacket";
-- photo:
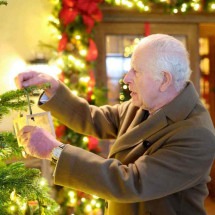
(156, 167)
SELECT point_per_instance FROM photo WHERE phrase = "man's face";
(145, 90)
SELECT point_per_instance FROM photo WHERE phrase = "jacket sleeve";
(181, 163)
(77, 114)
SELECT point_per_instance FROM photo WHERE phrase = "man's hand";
(32, 78)
(37, 142)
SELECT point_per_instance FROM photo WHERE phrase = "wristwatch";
(56, 152)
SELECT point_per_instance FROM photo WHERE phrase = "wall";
(22, 25)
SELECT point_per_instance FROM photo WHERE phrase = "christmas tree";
(22, 190)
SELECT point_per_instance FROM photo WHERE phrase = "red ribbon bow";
(87, 8)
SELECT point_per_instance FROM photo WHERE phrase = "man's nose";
(127, 78)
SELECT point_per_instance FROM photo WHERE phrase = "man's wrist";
(56, 152)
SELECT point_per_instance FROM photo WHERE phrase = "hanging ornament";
(42, 120)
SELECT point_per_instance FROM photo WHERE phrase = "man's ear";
(167, 81)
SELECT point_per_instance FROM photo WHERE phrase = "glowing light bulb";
(43, 182)
(196, 7)
(213, 6)
(88, 208)
(12, 208)
(140, 4)
(146, 8)
(84, 79)
(83, 52)
(60, 62)
(117, 2)
(71, 194)
(85, 139)
(184, 7)
(83, 199)
(175, 10)
(77, 37)
(93, 97)
(93, 202)
(98, 205)
(125, 87)
(73, 201)
(121, 97)
(74, 92)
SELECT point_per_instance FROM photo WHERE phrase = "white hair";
(169, 54)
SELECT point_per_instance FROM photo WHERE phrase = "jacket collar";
(140, 132)
(176, 110)
(180, 107)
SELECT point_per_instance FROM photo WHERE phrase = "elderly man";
(165, 143)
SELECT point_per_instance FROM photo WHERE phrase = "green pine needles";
(22, 190)
(9, 147)
(17, 99)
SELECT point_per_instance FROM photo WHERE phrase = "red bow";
(87, 8)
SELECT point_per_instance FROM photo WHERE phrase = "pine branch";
(17, 99)
(9, 146)
(25, 184)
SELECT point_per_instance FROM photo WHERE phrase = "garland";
(168, 6)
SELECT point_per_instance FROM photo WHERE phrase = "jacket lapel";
(140, 132)
(176, 110)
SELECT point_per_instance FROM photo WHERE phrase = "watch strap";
(54, 156)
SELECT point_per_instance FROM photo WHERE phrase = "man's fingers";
(25, 79)
(26, 129)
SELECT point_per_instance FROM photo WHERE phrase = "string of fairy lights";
(169, 6)
(93, 205)
(21, 203)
